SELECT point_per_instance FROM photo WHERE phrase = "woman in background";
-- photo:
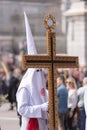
(72, 101)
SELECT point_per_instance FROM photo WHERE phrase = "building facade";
(77, 30)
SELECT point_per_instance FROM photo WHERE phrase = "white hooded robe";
(32, 91)
(30, 95)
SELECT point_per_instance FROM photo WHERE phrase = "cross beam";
(60, 61)
(52, 62)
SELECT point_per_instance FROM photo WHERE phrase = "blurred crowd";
(9, 84)
(71, 88)
(77, 73)
(10, 77)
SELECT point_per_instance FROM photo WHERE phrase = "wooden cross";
(52, 62)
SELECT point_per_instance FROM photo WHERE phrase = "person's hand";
(70, 113)
(44, 106)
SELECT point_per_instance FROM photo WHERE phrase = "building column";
(77, 31)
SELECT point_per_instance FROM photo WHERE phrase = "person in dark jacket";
(13, 86)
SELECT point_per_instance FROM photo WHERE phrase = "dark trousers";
(62, 121)
(82, 119)
(70, 120)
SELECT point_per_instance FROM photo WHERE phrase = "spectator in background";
(85, 105)
(13, 86)
(74, 73)
(62, 102)
(3, 86)
(82, 116)
(85, 71)
(72, 102)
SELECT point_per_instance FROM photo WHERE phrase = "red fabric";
(33, 124)
(42, 92)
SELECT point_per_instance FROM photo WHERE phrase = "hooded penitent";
(35, 84)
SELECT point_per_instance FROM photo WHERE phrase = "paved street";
(8, 119)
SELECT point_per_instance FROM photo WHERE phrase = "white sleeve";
(74, 100)
(24, 107)
(85, 101)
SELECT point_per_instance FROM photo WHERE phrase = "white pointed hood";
(33, 80)
(30, 41)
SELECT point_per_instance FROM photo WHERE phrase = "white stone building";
(77, 30)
